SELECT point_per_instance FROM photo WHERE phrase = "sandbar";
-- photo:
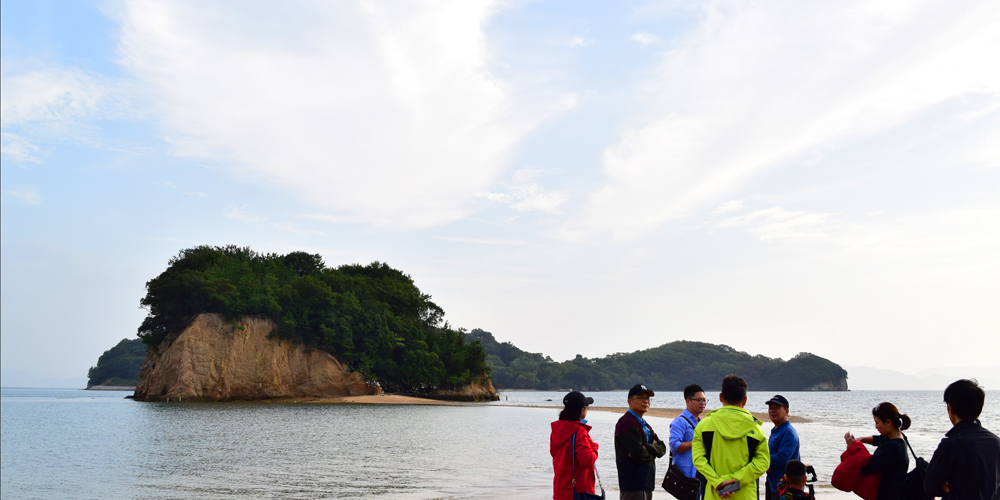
(400, 399)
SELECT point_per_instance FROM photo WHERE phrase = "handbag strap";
(907, 441)
(573, 457)
(692, 428)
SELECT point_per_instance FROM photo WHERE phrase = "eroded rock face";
(213, 360)
(840, 385)
(477, 391)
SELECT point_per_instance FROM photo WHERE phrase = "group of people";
(727, 452)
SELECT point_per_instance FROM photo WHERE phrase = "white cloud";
(241, 214)
(27, 195)
(195, 193)
(777, 225)
(58, 94)
(377, 113)
(17, 148)
(581, 42)
(525, 195)
(730, 206)
(481, 241)
(645, 38)
(760, 85)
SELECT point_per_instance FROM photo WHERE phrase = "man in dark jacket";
(636, 448)
(966, 465)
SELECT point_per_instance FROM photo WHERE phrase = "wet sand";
(382, 399)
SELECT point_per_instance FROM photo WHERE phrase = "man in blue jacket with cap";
(783, 443)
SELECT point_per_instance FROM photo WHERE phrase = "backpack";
(913, 486)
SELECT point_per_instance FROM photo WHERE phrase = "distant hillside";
(669, 367)
(118, 365)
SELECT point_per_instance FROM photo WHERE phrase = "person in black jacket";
(890, 459)
(636, 448)
(966, 464)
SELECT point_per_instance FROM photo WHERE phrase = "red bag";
(848, 476)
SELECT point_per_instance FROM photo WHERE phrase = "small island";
(118, 367)
(668, 367)
(228, 323)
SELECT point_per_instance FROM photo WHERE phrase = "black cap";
(778, 399)
(639, 389)
(576, 399)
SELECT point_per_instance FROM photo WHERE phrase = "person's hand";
(945, 487)
(849, 438)
(726, 483)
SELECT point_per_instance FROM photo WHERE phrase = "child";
(792, 486)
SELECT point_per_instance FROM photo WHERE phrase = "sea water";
(59, 443)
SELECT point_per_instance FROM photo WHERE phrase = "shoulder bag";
(580, 495)
(676, 483)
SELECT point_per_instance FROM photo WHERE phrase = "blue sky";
(576, 177)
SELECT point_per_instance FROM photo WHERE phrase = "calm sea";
(59, 443)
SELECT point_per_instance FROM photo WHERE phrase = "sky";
(574, 177)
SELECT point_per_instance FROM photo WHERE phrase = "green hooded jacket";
(730, 433)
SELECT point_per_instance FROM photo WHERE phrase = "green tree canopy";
(669, 367)
(118, 365)
(372, 317)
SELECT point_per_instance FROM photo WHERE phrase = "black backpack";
(913, 486)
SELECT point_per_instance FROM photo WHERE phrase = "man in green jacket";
(730, 447)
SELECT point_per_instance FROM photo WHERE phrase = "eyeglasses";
(699, 400)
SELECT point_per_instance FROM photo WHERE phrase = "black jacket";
(969, 459)
(635, 456)
(890, 460)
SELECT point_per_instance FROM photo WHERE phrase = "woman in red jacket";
(572, 426)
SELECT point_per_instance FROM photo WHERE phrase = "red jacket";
(561, 450)
(848, 476)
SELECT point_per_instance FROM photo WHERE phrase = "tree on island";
(372, 317)
(669, 367)
(118, 366)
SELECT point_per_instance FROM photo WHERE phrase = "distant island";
(118, 366)
(669, 367)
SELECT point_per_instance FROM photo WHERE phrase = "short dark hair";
(966, 398)
(691, 390)
(795, 471)
(734, 389)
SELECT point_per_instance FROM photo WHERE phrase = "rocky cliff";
(215, 360)
(481, 390)
(839, 385)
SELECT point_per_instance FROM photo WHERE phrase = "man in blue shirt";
(682, 429)
(783, 443)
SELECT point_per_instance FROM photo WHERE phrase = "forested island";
(118, 366)
(372, 318)
(669, 367)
